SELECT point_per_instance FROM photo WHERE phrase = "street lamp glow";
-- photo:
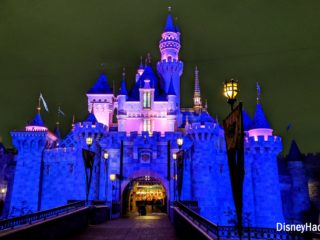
(112, 177)
(3, 190)
(180, 141)
(105, 155)
(89, 141)
(230, 89)
(174, 156)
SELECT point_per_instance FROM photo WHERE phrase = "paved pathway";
(153, 227)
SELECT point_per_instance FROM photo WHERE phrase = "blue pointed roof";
(294, 153)
(169, 27)
(205, 118)
(247, 121)
(148, 73)
(37, 121)
(123, 88)
(101, 86)
(91, 118)
(171, 88)
(177, 28)
(259, 119)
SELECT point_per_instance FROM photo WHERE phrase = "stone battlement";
(261, 144)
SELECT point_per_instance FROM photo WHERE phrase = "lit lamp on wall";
(180, 142)
(3, 192)
(230, 91)
(112, 178)
(105, 155)
(89, 141)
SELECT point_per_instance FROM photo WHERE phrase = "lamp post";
(234, 137)
(106, 157)
(179, 163)
(88, 157)
(174, 157)
(230, 91)
(112, 178)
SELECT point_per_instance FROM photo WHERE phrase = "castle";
(136, 152)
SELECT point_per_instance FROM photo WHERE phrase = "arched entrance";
(144, 195)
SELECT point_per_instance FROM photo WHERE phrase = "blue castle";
(134, 159)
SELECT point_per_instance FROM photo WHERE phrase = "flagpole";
(39, 108)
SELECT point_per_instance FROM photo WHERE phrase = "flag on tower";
(60, 112)
(43, 102)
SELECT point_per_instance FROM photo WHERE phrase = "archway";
(144, 195)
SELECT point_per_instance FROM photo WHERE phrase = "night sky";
(57, 47)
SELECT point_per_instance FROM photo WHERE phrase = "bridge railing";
(208, 227)
(213, 231)
(11, 223)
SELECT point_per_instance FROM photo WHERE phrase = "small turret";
(140, 70)
(101, 98)
(170, 67)
(261, 149)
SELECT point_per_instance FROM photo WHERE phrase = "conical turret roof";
(91, 118)
(169, 27)
(101, 86)
(259, 119)
(36, 121)
(247, 121)
(294, 153)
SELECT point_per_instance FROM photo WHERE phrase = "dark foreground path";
(153, 227)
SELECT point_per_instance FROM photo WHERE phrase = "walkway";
(152, 227)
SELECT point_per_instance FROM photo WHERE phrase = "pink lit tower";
(170, 67)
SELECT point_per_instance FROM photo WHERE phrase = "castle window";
(146, 100)
(147, 125)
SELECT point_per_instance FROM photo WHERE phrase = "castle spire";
(258, 93)
(123, 88)
(197, 105)
(169, 27)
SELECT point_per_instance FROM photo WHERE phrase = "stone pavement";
(152, 227)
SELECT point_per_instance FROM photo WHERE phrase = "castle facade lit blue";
(50, 171)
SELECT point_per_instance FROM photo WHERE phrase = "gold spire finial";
(123, 73)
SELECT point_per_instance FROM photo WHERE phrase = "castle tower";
(101, 100)
(30, 143)
(261, 149)
(299, 188)
(170, 66)
(122, 98)
(197, 104)
(210, 178)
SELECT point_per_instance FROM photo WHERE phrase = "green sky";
(57, 47)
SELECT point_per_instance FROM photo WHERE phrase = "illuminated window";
(146, 100)
(147, 125)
